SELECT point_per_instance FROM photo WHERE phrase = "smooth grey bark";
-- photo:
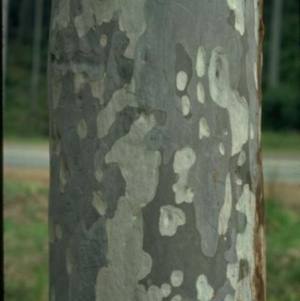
(275, 45)
(156, 185)
(38, 18)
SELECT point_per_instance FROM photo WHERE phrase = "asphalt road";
(277, 168)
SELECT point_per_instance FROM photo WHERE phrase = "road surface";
(276, 168)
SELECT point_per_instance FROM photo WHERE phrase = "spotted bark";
(156, 186)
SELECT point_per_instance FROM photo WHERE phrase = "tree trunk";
(24, 24)
(38, 18)
(156, 184)
(5, 10)
(274, 58)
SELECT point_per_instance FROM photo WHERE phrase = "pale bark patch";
(238, 181)
(186, 105)
(183, 161)
(238, 6)
(204, 291)
(200, 62)
(79, 79)
(222, 149)
(176, 278)
(165, 290)
(170, 219)
(226, 208)
(103, 40)
(241, 158)
(69, 261)
(255, 75)
(97, 88)
(229, 298)
(82, 129)
(177, 298)
(120, 99)
(139, 169)
(98, 202)
(227, 98)
(251, 131)
(200, 92)
(181, 80)
(204, 130)
(61, 17)
(244, 248)
(98, 175)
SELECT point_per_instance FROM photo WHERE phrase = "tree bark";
(156, 184)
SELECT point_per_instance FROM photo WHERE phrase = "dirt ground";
(40, 175)
(289, 193)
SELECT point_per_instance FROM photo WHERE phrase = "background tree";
(36, 53)
(156, 188)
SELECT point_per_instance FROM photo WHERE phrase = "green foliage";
(281, 108)
(19, 119)
(280, 142)
(283, 252)
(281, 105)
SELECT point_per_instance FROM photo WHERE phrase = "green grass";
(34, 140)
(25, 241)
(283, 252)
(26, 245)
(281, 142)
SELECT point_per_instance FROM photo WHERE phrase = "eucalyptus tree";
(156, 187)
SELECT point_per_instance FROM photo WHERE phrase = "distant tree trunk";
(5, 9)
(275, 45)
(23, 20)
(38, 18)
(156, 187)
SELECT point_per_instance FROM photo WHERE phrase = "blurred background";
(26, 158)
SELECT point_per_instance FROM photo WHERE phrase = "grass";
(283, 252)
(26, 245)
(280, 142)
(33, 140)
(25, 241)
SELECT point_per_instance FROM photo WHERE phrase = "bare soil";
(20, 174)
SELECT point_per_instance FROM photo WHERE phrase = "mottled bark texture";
(156, 186)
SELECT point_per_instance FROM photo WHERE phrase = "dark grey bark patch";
(75, 8)
(154, 139)
(88, 249)
(231, 255)
(243, 269)
(182, 251)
